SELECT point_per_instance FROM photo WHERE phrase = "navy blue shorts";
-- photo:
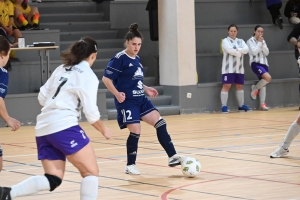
(233, 78)
(57, 146)
(0, 150)
(259, 69)
(132, 112)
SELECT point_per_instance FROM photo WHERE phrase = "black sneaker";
(278, 23)
(5, 193)
(35, 27)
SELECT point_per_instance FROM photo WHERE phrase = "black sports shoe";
(278, 23)
(5, 193)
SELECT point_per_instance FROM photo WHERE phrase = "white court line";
(68, 164)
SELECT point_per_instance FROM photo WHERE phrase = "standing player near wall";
(4, 55)
(234, 50)
(258, 52)
(124, 76)
(71, 88)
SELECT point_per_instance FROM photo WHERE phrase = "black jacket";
(290, 7)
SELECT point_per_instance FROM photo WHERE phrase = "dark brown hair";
(4, 45)
(79, 51)
(133, 32)
(232, 25)
(256, 27)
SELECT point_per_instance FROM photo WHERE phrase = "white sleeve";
(88, 97)
(46, 88)
(255, 49)
(265, 48)
(244, 49)
(227, 47)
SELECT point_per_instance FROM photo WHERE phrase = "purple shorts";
(259, 69)
(57, 146)
(233, 78)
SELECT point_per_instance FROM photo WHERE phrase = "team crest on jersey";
(138, 74)
(109, 72)
(2, 90)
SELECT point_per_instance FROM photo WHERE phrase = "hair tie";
(81, 40)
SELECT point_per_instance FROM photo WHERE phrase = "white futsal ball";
(190, 167)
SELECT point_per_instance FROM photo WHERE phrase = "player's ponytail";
(133, 32)
(79, 51)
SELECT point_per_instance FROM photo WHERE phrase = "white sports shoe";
(254, 92)
(175, 160)
(131, 169)
(279, 152)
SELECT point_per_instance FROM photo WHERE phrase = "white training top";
(233, 55)
(63, 96)
(258, 51)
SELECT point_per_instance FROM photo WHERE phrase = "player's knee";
(54, 181)
(298, 120)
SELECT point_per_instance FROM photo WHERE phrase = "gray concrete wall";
(206, 97)
(25, 107)
(39, 36)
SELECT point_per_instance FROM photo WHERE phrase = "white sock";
(89, 188)
(224, 98)
(262, 95)
(30, 186)
(240, 97)
(261, 84)
(291, 134)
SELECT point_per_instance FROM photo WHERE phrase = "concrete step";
(65, 7)
(100, 70)
(71, 17)
(160, 100)
(282, 64)
(159, 88)
(100, 63)
(97, 35)
(163, 110)
(102, 44)
(147, 81)
(75, 26)
(226, 12)
(208, 37)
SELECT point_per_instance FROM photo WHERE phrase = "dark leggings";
(275, 11)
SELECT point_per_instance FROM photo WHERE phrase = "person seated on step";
(26, 18)
(292, 11)
(274, 8)
(293, 38)
(8, 25)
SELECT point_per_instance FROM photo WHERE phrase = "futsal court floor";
(233, 150)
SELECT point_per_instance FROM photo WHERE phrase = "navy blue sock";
(164, 137)
(132, 146)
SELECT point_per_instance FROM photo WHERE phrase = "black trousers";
(275, 11)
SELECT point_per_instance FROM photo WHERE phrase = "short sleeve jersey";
(25, 11)
(127, 74)
(3, 82)
(6, 11)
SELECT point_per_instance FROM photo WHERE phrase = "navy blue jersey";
(127, 74)
(3, 82)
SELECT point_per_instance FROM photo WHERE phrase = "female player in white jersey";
(124, 77)
(294, 129)
(71, 88)
(234, 50)
(258, 52)
(4, 55)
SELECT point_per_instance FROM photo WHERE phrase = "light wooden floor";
(232, 148)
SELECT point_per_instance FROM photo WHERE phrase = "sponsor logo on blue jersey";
(138, 74)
